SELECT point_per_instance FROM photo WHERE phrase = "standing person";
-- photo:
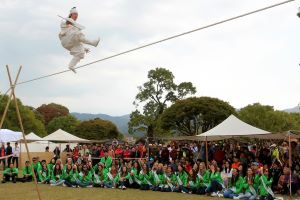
(56, 152)
(10, 174)
(73, 39)
(8, 152)
(16, 155)
(2, 154)
(27, 172)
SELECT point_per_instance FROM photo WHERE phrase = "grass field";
(27, 191)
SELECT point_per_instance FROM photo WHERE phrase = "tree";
(52, 110)
(97, 129)
(66, 123)
(195, 115)
(265, 117)
(155, 95)
(29, 120)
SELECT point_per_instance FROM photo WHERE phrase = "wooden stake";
(12, 86)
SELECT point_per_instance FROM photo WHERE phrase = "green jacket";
(9, 170)
(156, 179)
(85, 179)
(216, 176)
(193, 183)
(262, 190)
(182, 176)
(115, 179)
(57, 177)
(145, 178)
(254, 186)
(99, 177)
(50, 167)
(106, 161)
(204, 178)
(171, 177)
(238, 186)
(37, 167)
(27, 171)
(44, 175)
(70, 176)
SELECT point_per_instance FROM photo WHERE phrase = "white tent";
(232, 127)
(33, 136)
(7, 135)
(63, 136)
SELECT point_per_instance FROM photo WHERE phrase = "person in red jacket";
(119, 152)
(126, 153)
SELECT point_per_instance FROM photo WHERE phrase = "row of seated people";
(139, 175)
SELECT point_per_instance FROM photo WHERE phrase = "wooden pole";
(9, 99)
(290, 164)
(206, 151)
(12, 86)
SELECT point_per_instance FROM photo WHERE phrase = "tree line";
(162, 108)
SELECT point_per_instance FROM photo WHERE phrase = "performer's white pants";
(73, 41)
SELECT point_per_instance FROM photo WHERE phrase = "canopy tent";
(63, 136)
(33, 137)
(230, 128)
(7, 135)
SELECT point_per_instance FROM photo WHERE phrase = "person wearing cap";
(73, 39)
(27, 172)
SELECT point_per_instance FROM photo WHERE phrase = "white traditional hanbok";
(73, 39)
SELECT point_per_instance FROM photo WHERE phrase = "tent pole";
(290, 164)
(206, 151)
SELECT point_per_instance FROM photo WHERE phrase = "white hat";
(73, 10)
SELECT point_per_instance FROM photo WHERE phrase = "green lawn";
(27, 191)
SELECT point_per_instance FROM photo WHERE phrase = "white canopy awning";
(33, 136)
(63, 136)
(232, 127)
(7, 135)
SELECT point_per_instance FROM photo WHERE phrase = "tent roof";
(232, 127)
(33, 136)
(63, 136)
(7, 135)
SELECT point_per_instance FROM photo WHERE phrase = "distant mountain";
(120, 121)
(293, 110)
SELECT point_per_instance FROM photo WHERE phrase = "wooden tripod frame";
(12, 96)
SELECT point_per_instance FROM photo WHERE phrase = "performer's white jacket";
(72, 39)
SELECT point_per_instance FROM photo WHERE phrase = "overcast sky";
(253, 59)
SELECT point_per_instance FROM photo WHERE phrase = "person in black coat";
(8, 151)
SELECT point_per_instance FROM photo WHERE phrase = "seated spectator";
(10, 174)
(27, 172)
(284, 180)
